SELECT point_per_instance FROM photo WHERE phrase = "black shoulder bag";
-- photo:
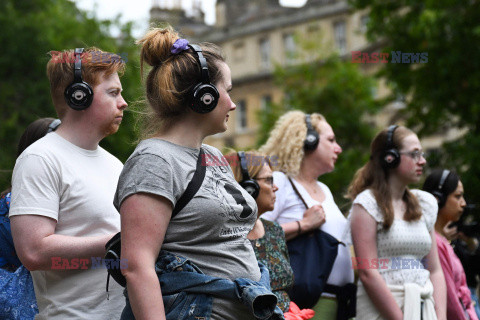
(311, 256)
(113, 246)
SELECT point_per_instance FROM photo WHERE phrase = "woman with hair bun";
(197, 263)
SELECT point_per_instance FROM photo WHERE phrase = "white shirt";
(289, 207)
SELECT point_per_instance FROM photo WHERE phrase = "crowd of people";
(256, 236)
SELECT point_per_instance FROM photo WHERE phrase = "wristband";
(299, 227)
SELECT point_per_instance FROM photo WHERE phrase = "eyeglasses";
(268, 180)
(415, 155)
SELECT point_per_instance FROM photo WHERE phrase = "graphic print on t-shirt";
(224, 191)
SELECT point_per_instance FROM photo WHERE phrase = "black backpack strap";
(113, 245)
(193, 186)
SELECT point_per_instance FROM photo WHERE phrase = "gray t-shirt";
(212, 228)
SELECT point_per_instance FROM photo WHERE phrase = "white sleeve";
(35, 187)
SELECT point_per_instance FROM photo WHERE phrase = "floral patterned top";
(17, 296)
(8, 256)
(271, 250)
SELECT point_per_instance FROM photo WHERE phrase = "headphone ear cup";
(440, 198)
(252, 187)
(391, 158)
(205, 98)
(79, 95)
(311, 140)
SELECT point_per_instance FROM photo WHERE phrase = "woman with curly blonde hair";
(304, 148)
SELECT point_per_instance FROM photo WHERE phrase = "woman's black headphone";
(204, 95)
(312, 139)
(250, 185)
(79, 94)
(438, 192)
(391, 155)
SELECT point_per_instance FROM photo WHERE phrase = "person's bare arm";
(145, 219)
(364, 236)
(39, 248)
(313, 218)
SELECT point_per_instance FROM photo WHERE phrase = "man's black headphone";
(250, 185)
(204, 95)
(441, 198)
(79, 94)
(312, 139)
(391, 155)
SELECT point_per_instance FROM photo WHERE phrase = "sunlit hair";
(95, 62)
(375, 177)
(172, 78)
(255, 162)
(286, 141)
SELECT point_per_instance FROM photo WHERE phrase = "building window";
(265, 102)
(238, 52)
(340, 33)
(241, 115)
(289, 48)
(265, 54)
(313, 30)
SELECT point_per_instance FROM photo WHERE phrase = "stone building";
(257, 34)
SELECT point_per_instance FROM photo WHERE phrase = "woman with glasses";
(392, 229)
(304, 147)
(267, 237)
(447, 188)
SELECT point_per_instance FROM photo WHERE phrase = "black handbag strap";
(306, 206)
(297, 192)
(193, 186)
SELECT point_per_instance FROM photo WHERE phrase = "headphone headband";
(77, 74)
(249, 184)
(243, 165)
(54, 125)
(391, 131)
(444, 177)
(203, 63)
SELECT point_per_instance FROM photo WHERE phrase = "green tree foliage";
(338, 90)
(31, 29)
(444, 92)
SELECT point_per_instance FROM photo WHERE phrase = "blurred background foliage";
(445, 92)
(30, 30)
(344, 95)
(440, 94)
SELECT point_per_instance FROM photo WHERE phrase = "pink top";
(457, 289)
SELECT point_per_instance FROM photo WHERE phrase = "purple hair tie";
(179, 46)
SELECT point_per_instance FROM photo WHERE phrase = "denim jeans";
(473, 292)
(188, 293)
